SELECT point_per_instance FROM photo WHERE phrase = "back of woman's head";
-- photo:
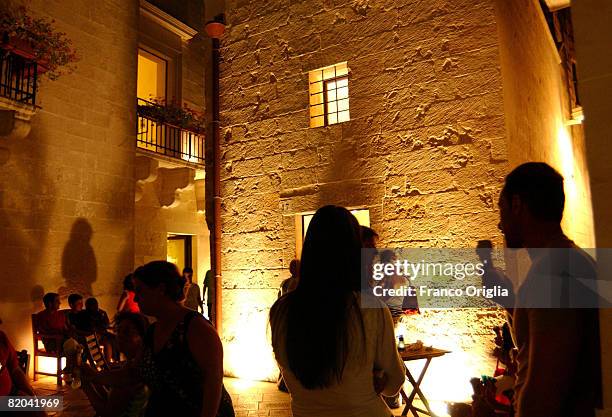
(331, 252)
(157, 273)
(319, 312)
(128, 282)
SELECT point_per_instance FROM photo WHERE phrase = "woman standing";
(336, 357)
(126, 302)
(183, 357)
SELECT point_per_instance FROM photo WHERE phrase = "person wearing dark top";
(556, 332)
(12, 379)
(182, 360)
(75, 301)
(93, 319)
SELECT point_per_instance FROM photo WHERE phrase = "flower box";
(36, 39)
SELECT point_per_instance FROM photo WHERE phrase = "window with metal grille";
(329, 97)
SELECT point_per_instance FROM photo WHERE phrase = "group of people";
(174, 366)
(337, 357)
(163, 356)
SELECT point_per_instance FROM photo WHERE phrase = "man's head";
(75, 301)
(188, 274)
(532, 195)
(51, 300)
(91, 304)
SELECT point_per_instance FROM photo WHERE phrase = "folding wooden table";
(411, 355)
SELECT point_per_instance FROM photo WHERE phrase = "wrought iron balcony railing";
(18, 77)
(167, 139)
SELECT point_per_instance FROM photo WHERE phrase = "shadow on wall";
(27, 204)
(36, 295)
(79, 266)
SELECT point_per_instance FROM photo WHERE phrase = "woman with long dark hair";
(329, 348)
(182, 361)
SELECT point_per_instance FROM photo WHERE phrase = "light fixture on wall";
(216, 27)
(577, 116)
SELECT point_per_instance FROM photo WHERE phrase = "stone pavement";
(251, 398)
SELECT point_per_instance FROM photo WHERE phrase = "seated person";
(95, 320)
(75, 301)
(12, 379)
(128, 395)
(52, 321)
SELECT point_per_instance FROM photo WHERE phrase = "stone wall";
(424, 151)
(537, 110)
(592, 34)
(166, 191)
(66, 207)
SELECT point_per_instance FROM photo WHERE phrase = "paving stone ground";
(251, 398)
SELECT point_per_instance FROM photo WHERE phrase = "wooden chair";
(94, 353)
(37, 337)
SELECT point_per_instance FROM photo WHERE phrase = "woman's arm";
(387, 358)
(206, 348)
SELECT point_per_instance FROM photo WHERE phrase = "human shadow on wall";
(79, 265)
(36, 295)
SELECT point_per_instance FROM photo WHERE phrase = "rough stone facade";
(67, 209)
(424, 151)
(69, 220)
(536, 96)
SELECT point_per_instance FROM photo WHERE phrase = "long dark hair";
(323, 307)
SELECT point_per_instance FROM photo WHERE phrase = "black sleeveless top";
(174, 377)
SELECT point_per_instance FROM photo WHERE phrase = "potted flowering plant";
(172, 113)
(35, 38)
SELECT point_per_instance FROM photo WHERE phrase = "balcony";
(18, 85)
(157, 135)
(18, 78)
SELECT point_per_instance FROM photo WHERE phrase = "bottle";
(401, 345)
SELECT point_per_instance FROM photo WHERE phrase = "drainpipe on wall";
(215, 30)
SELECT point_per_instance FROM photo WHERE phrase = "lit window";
(150, 87)
(151, 76)
(329, 98)
(362, 216)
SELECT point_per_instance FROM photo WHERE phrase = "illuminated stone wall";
(166, 191)
(537, 110)
(425, 150)
(66, 211)
(595, 82)
(68, 217)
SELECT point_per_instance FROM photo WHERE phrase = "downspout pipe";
(215, 30)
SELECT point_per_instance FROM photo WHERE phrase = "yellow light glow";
(151, 81)
(334, 79)
(250, 355)
(150, 84)
(578, 221)
(465, 336)
(362, 216)
(49, 365)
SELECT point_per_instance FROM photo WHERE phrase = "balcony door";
(151, 87)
